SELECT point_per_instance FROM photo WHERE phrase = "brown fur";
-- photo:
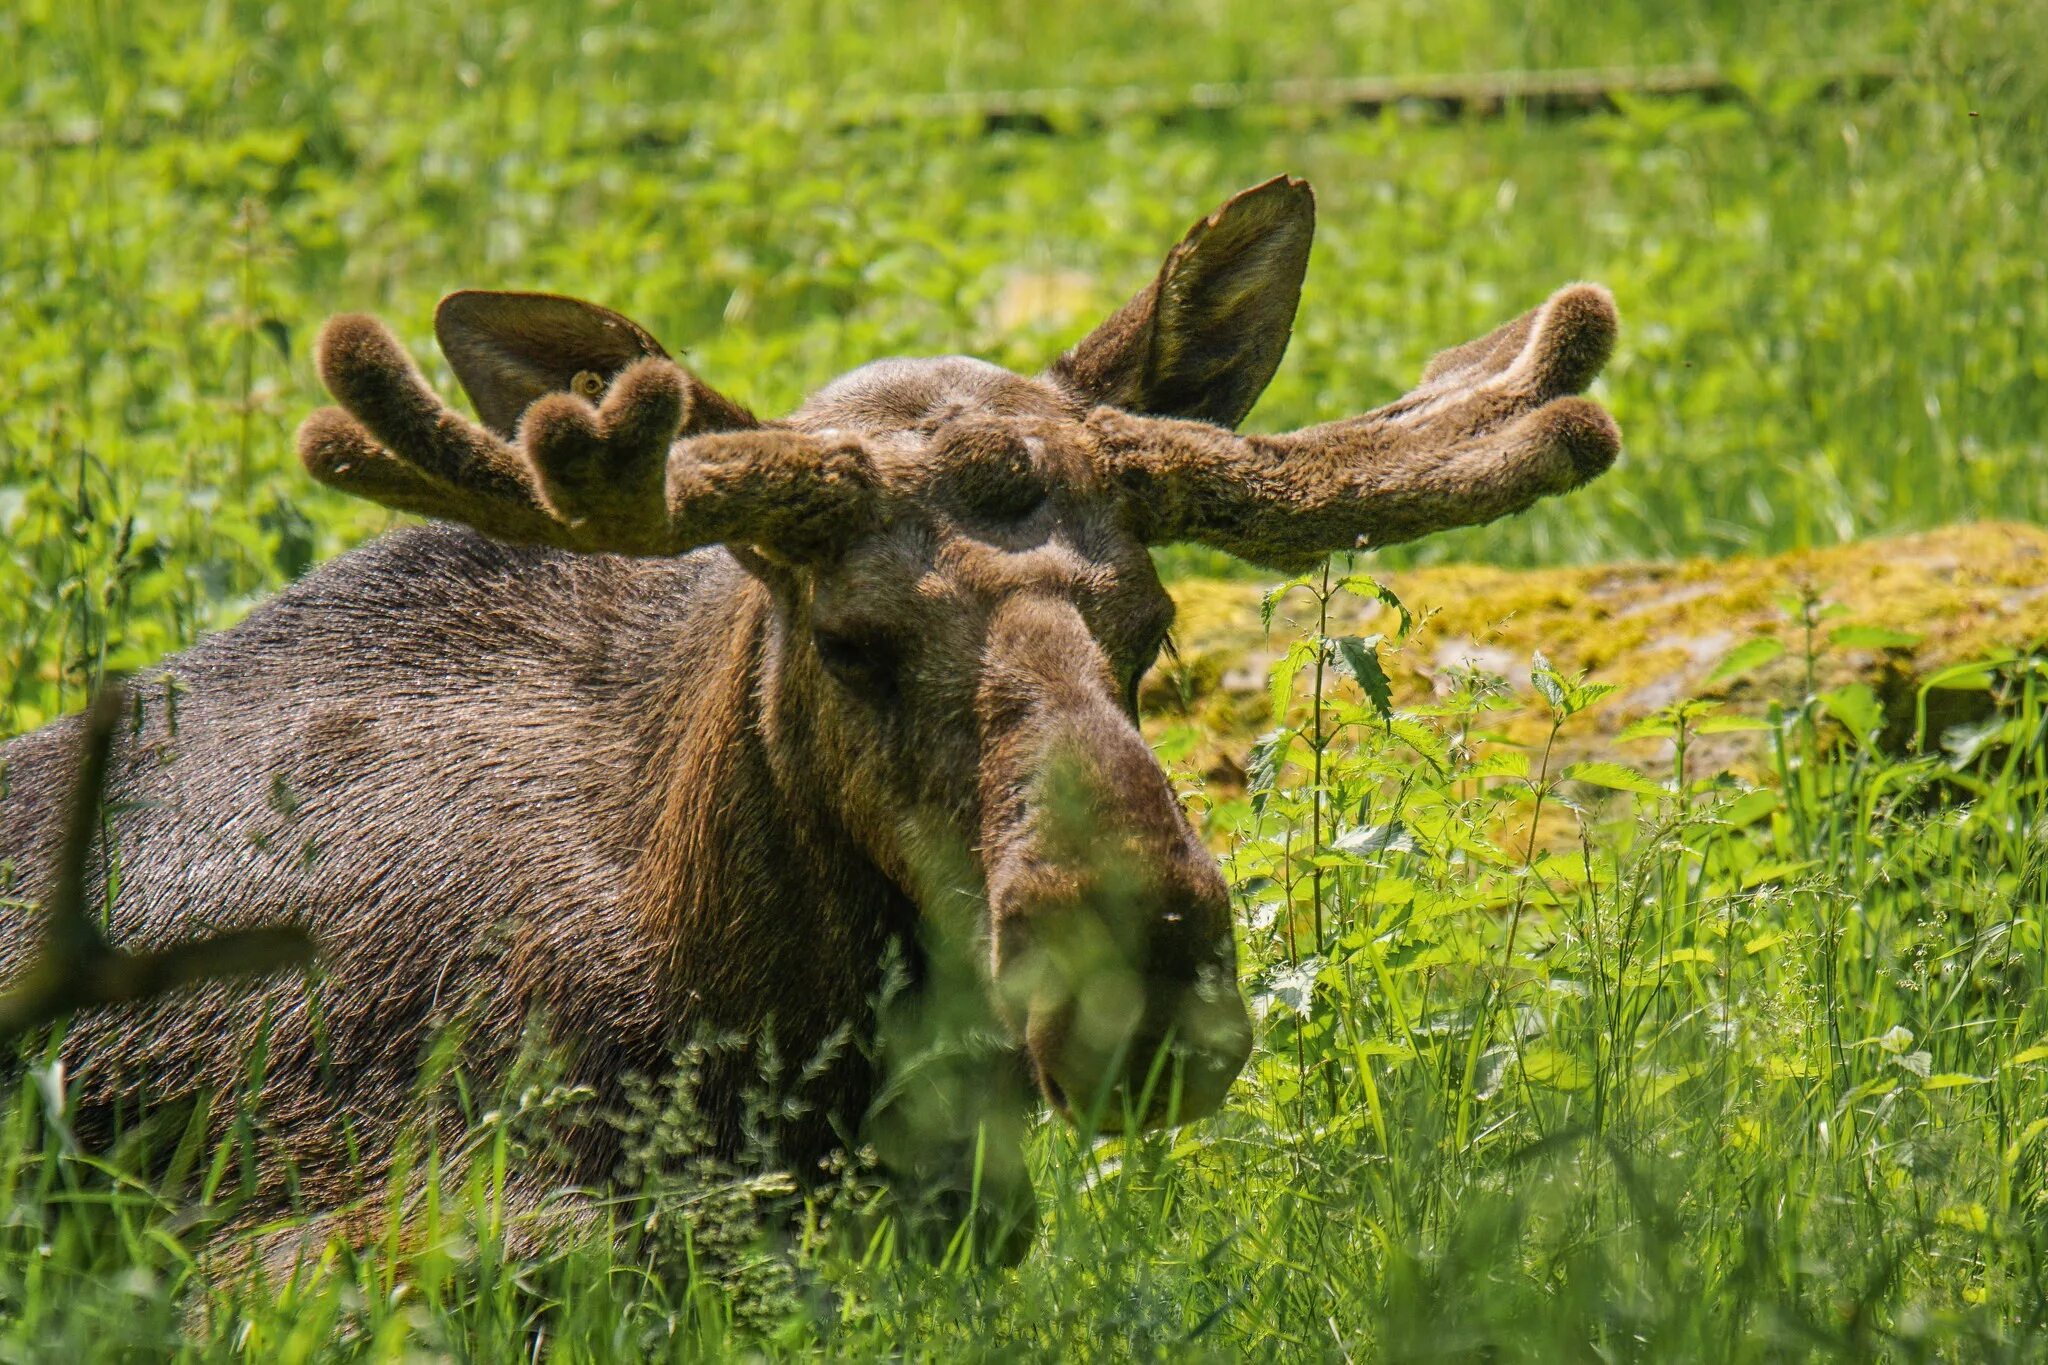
(759, 706)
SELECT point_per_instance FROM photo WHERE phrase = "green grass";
(1704, 1073)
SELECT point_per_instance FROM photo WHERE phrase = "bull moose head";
(963, 602)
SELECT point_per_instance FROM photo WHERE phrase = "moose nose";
(1114, 952)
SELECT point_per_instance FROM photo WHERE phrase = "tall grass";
(1609, 1061)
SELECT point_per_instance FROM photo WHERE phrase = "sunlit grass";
(1702, 1072)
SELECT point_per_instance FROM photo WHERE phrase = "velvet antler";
(611, 476)
(1492, 428)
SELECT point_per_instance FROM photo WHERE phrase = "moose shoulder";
(691, 723)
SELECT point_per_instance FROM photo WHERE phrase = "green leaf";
(1422, 740)
(1977, 676)
(1374, 841)
(1790, 1068)
(1962, 743)
(1176, 742)
(1656, 726)
(1557, 1069)
(1951, 1080)
(1269, 751)
(1566, 696)
(1583, 695)
(1617, 776)
(1392, 891)
(1729, 725)
(1298, 654)
(1548, 681)
(1656, 1085)
(1290, 987)
(1776, 870)
(1571, 868)
(1751, 806)
(1746, 658)
(1873, 637)
(1858, 708)
(1361, 585)
(1360, 656)
(1501, 763)
(1271, 601)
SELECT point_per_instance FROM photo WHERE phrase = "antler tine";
(375, 380)
(581, 477)
(1492, 428)
(339, 453)
(394, 442)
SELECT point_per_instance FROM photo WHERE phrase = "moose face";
(972, 665)
(964, 601)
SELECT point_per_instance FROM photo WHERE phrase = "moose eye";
(866, 663)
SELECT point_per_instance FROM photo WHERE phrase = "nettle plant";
(1461, 945)
(1408, 874)
(1387, 842)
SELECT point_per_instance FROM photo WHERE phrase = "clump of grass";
(1699, 1069)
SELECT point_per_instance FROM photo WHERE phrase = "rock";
(1656, 632)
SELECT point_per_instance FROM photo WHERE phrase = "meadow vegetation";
(1562, 1055)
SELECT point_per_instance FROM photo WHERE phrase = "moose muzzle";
(1114, 957)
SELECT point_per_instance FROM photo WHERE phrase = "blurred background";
(1823, 221)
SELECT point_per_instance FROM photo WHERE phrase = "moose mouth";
(1151, 1077)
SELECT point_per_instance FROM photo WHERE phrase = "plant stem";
(1316, 743)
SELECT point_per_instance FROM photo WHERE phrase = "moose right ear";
(1203, 339)
(509, 349)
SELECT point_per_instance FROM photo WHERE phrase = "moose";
(672, 720)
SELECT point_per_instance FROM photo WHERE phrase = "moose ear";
(509, 349)
(1204, 338)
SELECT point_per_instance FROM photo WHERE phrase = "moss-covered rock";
(1890, 613)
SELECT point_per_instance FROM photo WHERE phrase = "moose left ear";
(509, 349)
(1203, 339)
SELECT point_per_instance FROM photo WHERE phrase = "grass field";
(1706, 1072)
